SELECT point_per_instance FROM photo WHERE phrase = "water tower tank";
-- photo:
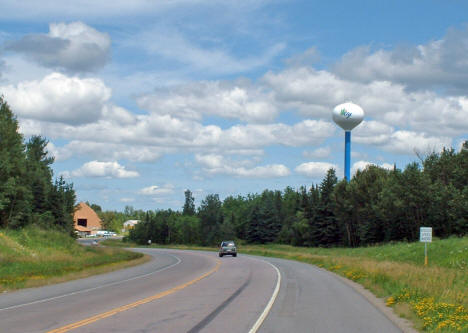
(348, 115)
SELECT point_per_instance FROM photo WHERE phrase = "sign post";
(425, 236)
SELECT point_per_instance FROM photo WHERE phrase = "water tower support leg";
(347, 155)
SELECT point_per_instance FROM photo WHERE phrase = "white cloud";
(387, 166)
(58, 98)
(218, 165)
(439, 63)
(150, 135)
(266, 171)
(307, 132)
(407, 142)
(210, 161)
(315, 169)
(315, 93)
(361, 165)
(227, 100)
(101, 169)
(372, 133)
(58, 153)
(155, 190)
(322, 152)
(74, 47)
(107, 151)
(400, 142)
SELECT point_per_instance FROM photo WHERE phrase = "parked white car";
(105, 233)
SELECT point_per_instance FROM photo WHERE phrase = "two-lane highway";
(190, 291)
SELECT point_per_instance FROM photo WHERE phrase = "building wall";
(93, 222)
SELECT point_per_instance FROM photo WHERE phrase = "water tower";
(347, 116)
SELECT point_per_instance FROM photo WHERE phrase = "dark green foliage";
(236, 211)
(326, 230)
(346, 213)
(254, 234)
(211, 217)
(95, 207)
(62, 204)
(376, 206)
(189, 205)
(15, 195)
(28, 194)
(264, 220)
(167, 227)
(366, 187)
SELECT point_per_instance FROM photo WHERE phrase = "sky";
(141, 100)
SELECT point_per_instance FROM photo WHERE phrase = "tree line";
(376, 206)
(28, 192)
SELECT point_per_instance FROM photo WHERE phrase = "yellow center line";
(114, 311)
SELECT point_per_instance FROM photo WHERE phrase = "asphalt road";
(189, 291)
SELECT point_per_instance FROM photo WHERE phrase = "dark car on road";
(227, 247)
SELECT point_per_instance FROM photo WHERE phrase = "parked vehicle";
(227, 248)
(105, 233)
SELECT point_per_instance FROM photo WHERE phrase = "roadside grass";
(32, 257)
(433, 297)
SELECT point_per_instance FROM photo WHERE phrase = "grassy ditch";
(433, 297)
(32, 257)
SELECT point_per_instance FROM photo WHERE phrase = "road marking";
(132, 305)
(265, 312)
(94, 288)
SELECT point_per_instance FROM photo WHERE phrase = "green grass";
(433, 297)
(32, 257)
(449, 253)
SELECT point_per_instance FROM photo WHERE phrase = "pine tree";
(326, 231)
(364, 192)
(211, 218)
(253, 228)
(189, 205)
(39, 173)
(345, 213)
(15, 194)
(269, 223)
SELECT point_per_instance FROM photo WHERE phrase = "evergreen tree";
(189, 205)
(345, 212)
(39, 173)
(365, 188)
(235, 212)
(62, 204)
(211, 218)
(326, 231)
(15, 194)
(253, 229)
(269, 223)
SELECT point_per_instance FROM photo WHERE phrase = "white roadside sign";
(425, 234)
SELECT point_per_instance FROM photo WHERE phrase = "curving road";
(190, 291)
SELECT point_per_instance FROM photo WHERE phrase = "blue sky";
(141, 100)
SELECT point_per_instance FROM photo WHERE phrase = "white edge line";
(268, 307)
(94, 288)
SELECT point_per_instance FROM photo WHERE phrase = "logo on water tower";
(345, 113)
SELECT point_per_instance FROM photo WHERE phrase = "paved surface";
(185, 291)
(314, 300)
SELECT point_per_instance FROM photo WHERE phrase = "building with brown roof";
(86, 221)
